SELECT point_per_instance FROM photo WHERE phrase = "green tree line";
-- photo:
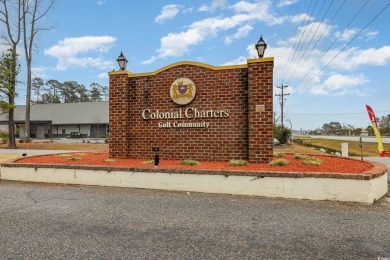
(335, 128)
(53, 91)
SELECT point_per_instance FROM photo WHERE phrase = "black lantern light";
(260, 47)
(122, 62)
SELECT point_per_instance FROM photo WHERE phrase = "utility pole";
(388, 123)
(282, 97)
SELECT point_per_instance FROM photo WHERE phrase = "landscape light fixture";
(260, 47)
(122, 62)
(155, 149)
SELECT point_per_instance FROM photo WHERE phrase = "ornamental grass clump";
(189, 162)
(279, 162)
(74, 159)
(238, 162)
(312, 161)
(64, 155)
(108, 160)
(278, 154)
(300, 156)
(148, 162)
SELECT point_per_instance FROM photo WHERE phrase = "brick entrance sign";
(193, 111)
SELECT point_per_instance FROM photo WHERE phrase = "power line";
(282, 101)
(330, 46)
(297, 66)
(347, 45)
(301, 43)
(307, 19)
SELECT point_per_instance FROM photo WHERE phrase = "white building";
(90, 119)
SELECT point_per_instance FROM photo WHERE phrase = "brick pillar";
(118, 114)
(260, 109)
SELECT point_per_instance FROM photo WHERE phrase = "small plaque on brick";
(260, 108)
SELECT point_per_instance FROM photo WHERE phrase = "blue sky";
(332, 59)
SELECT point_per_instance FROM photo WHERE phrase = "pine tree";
(8, 73)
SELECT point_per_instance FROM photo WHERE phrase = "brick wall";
(242, 90)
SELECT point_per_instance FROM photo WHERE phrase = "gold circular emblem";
(182, 91)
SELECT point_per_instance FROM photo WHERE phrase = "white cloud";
(214, 5)
(258, 11)
(239, 60)
(103, 75)
(168, 13)
(39, 72)
(251, 54)
(188, 10)
(177, 44)
(347, 34)
(339, 85)
(306, 74)
(101, 2)
(241, 33)
(354, 57)
(370, 35)
(301, 17)
(72, 52)
(284, 3)
(314, 31)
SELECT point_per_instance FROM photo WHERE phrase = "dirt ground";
(60, 146)
(295, 148)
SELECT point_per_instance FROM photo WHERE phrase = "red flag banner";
(374, 123)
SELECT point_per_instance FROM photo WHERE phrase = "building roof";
(64, 113)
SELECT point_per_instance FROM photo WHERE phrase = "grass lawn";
(369, 149)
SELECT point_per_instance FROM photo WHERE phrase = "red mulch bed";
(330, 164)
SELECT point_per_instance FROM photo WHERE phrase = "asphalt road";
(39, 221)
(370, 139)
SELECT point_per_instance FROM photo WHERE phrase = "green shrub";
(189, 162)
(282, 134)
(312, 161)
(279, 162)
(26, 140)
(4, 136)
(238, 162)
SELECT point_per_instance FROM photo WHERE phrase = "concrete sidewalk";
(383, 160)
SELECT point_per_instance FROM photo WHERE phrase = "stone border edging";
(378, 170)
(364, 188)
